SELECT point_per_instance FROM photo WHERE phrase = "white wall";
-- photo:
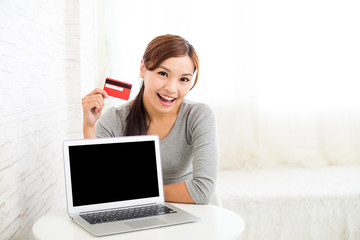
(282, 76)
(46, 59)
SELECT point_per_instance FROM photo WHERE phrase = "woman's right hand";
(92, 105)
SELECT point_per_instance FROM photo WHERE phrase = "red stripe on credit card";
(117, 88)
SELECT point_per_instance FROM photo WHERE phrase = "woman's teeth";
(166, 97)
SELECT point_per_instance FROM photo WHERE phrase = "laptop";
(115, 185)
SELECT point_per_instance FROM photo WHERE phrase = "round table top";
(216, 223)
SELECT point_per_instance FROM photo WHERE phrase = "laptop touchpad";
(145, 223)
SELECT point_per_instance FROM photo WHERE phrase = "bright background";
(282, 76)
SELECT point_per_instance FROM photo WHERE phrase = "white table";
(216, 223)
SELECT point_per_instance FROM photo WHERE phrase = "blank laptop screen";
(103, 173)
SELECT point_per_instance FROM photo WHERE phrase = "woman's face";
(167, 85)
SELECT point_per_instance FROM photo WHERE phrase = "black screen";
(104, 173)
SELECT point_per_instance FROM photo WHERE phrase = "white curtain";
(282, 76)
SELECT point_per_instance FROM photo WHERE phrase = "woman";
(187, 130)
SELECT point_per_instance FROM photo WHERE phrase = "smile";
(166, 99)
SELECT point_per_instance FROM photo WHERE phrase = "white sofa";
(295, 203)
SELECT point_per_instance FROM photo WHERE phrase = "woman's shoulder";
(111, 122)
(197, 108)
(115, 114)
(197, 113)
(122, 110)
(199, 119)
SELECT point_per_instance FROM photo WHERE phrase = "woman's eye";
(164, 74)
(184, 79)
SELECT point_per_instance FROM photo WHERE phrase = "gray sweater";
(188, 154)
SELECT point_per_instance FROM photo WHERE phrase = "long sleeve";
(201, 131)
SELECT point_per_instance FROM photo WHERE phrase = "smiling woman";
(167, 59)
(187, 130)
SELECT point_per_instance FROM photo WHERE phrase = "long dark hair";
(157, 51)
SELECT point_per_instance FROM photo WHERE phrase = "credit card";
(118, 89)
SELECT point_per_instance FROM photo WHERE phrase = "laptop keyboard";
(125, 214)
